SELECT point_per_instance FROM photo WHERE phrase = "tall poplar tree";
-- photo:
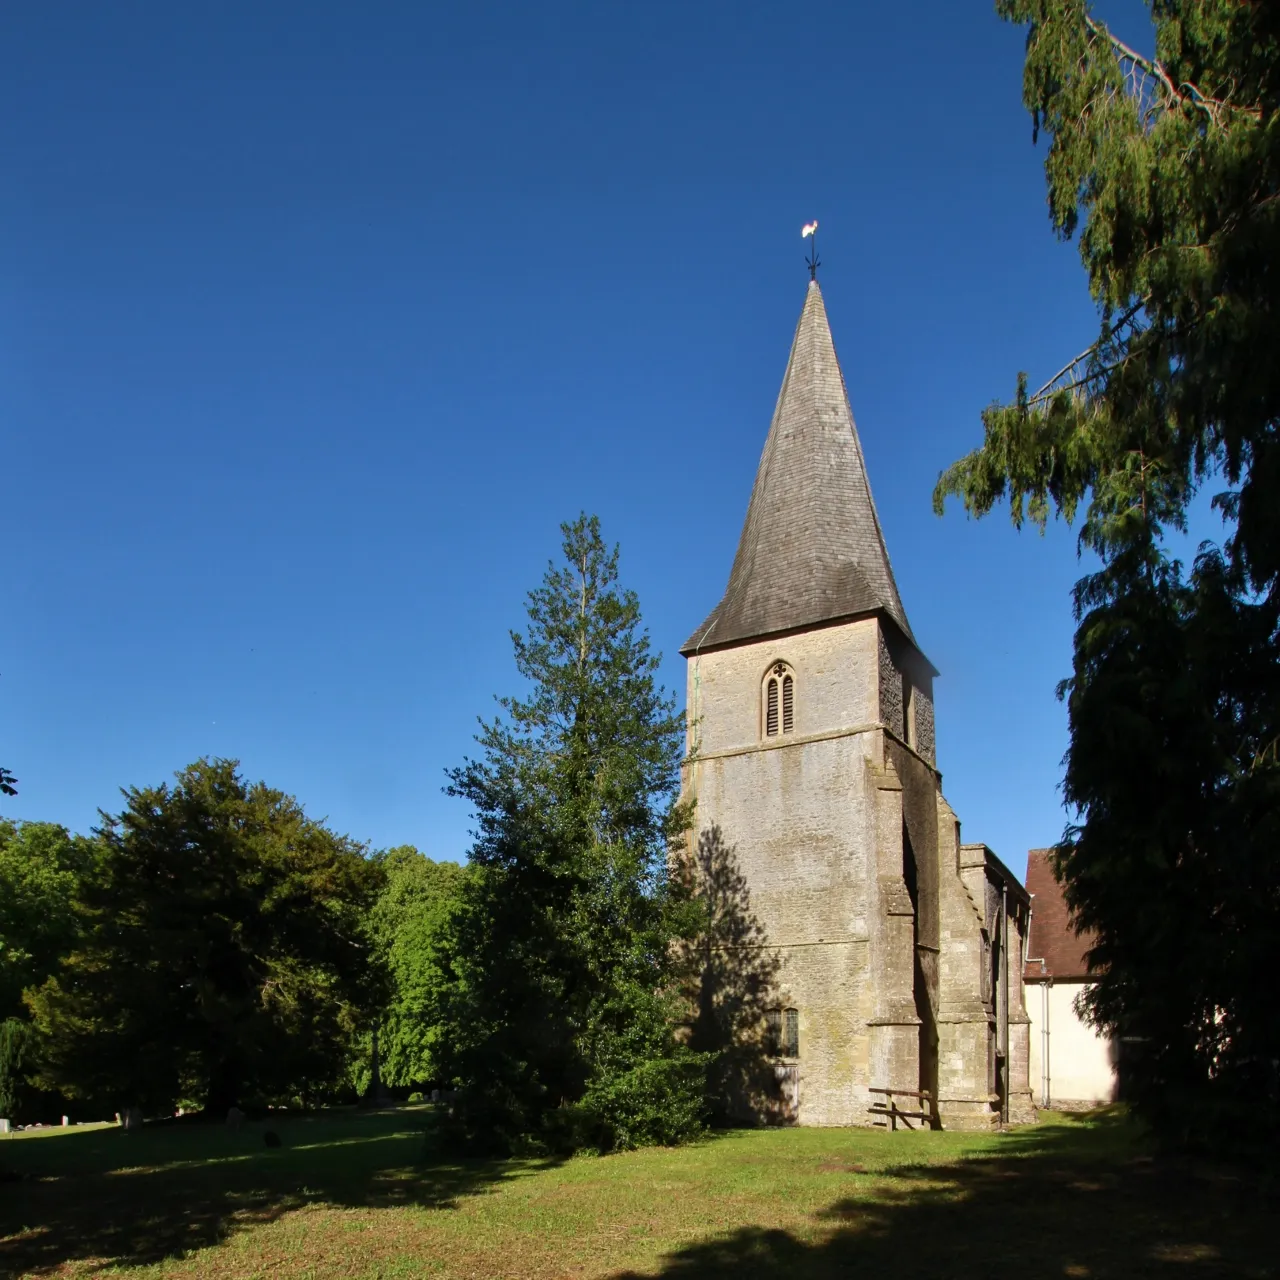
(559, 1019)
(1168, 168)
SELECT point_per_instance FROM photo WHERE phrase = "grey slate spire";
(811, 549)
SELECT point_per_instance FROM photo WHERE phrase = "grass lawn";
(359, 1195)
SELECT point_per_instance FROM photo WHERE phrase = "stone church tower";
(811, 747)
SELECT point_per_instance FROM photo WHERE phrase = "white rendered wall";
(1080, 1061)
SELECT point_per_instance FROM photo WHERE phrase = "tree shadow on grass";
(106, 1197)
(1067, 1200)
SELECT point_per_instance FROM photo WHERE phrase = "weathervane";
(812, 261)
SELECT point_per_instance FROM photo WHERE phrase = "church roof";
(811, 550)
(1054, 948)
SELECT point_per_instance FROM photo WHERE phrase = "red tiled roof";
(1052, 938)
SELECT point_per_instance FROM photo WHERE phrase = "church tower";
(811, 748)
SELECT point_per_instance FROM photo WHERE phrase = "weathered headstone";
(235, 1119)
(4, 1125)
(131, 1119)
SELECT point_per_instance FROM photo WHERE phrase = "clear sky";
(316, 320)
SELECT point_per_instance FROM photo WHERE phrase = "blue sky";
(315, 321)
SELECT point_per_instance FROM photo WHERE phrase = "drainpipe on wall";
(1004, 1012)
(1044, 1036)
(1045, 982)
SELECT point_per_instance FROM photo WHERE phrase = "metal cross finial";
(813, 262)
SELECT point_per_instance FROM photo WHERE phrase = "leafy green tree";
(407, 924)
(42, 867)
(8, 783)
(1169, 168)
(224, 955)
(559, 1018)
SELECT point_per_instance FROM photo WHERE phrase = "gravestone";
(235, 1119)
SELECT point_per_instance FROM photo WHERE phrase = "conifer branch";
(1051, 388)
(1185, 94)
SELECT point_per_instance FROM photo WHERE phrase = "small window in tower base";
(782, 1032)
(773, 1031)
(790, 1033)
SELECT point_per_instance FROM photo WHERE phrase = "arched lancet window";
(779, 698)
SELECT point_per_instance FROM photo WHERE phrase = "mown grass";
(360, 1195)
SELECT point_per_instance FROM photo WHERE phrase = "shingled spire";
(811, 550)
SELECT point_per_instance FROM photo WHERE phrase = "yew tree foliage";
(223, 954)
(1167, 169)
(558, 1017)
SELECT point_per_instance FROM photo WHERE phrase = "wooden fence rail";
(892, 1113)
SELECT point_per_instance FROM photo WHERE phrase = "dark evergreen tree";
(1169, 166)
(559, 1020)
(223, 956)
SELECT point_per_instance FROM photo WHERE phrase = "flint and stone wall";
(799, 811)
(885, 968)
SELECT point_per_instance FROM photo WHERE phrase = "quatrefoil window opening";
(779, 700)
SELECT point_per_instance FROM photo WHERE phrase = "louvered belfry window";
(779, 700)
